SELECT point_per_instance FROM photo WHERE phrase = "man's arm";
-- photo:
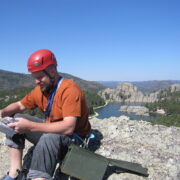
(12, 109)
(64, 127)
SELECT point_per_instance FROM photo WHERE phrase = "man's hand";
(21, 125)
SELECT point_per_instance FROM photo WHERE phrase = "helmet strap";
(50, 77)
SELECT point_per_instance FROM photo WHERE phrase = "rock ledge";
(155, 147)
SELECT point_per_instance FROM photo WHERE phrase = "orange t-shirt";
(69, 100)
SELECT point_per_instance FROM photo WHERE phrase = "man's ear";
(51, 70)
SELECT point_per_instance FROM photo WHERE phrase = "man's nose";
(37, 81)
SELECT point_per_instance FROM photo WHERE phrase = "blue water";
(112, 109)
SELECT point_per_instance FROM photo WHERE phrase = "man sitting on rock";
(66, 118)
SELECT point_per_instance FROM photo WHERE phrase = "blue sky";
(124, 40)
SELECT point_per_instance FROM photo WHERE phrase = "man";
(66, 117)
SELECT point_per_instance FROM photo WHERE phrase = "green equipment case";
(86, 165)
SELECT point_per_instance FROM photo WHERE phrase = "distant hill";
(110, 84)
(152, 86)
(11, 80)
(144, 86)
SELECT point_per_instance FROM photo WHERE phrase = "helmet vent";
(42, 60)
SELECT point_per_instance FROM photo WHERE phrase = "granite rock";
(155, 147)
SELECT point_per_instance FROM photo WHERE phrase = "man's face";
(43, 81)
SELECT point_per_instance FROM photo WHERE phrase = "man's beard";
(47, 89)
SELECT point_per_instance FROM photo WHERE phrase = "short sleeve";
(71, 99)
(29, 100)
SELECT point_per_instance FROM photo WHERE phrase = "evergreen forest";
(170, 102)
(9, 96)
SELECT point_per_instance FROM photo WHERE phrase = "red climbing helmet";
(40, 60)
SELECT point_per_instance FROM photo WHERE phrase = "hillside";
(11, 80)
(169, 101)
(152, 86)
(14, 86)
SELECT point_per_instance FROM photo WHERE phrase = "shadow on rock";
(95, 142)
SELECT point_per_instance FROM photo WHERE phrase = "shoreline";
(106, 103)
(134, 116)
(96, 114)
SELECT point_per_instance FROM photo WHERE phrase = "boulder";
(138, 110)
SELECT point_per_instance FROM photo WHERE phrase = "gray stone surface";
(154, 147)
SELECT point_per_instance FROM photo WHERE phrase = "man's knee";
(55, 138)
(47, 138)
(55, 145)
(48, 142)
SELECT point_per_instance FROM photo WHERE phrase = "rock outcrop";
(154, 147)
(138, 110)
(175, 87)
(160, 111)
(128, 93)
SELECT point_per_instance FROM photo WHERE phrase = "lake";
(112, 109)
